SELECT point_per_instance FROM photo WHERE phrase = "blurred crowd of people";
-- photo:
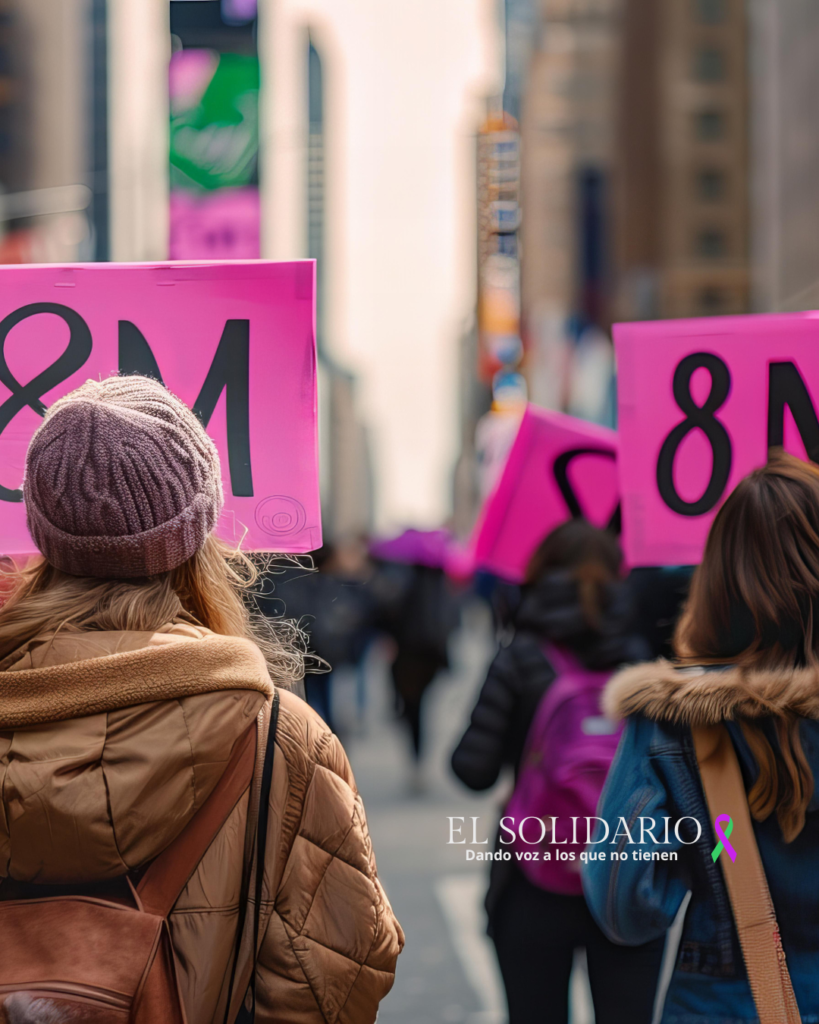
(350, 598)
(587, 719)
(575, 595)
(347, 596)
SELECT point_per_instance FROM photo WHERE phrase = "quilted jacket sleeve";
(331, 941)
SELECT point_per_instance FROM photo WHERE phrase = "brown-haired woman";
(748, 649)
(574, 603)
(131, 678)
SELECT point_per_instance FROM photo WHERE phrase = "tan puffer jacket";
(109, 742)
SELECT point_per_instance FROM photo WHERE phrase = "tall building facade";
(784, 154)
(682, 245)
(45, 131)
(567, 129)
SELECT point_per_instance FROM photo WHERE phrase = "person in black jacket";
(573, 596)
(420, 614)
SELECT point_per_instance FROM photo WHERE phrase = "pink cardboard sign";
(700, 403)
(235, 341)
(558, 467)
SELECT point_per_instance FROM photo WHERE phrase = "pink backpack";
(568, 752)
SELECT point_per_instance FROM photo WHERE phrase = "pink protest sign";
(700, 403)
(233, 340)
(558, 467)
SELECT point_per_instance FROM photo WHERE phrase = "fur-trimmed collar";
(696, 696)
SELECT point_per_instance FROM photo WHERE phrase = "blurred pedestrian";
(731, 735)
(133, 686)
(502, 598)
(335, 608)
(420, 617)
(572, 627)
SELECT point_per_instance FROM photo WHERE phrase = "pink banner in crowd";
(235, 341)
(700, 402)
(558, 467)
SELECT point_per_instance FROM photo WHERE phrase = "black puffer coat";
(521, 673)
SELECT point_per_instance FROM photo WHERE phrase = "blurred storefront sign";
(498, 258)
(558, 467)
(44, 225)
(496, 430)
(214, 149)
(220, 225)
(239, 12)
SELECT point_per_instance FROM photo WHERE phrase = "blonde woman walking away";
(181, 838)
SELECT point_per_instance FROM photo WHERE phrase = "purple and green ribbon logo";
(723, 843)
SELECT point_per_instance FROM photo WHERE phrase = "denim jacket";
(655, 775)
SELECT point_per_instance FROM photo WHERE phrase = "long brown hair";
(591, 556)
(754, 602)
(215, 587)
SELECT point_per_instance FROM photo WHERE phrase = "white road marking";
(461, 898)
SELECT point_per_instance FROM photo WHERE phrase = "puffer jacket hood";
(110, 742)
(551, 609)
(698, 695)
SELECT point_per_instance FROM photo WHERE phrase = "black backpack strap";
(247, 1010)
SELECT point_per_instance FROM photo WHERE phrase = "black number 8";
(697, 417)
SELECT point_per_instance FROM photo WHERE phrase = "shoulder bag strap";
(745, 879)
(162, 884)
(242, 988)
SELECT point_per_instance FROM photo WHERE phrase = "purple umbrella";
(415, 547)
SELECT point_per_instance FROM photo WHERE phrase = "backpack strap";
(560, 660)
(241, 999)
(162, 884)
(745, 879)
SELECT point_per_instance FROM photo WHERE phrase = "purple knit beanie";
(121, 480)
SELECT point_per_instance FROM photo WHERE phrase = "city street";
(338, 337)
(447, 972)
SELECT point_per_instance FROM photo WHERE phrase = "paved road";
(447, 973)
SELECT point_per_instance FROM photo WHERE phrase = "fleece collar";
(170, 671)
(696, 696)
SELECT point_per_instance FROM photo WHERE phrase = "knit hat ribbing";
(121, 480)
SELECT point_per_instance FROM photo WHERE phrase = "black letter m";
(229, 372)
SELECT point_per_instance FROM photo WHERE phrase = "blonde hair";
(209, 588)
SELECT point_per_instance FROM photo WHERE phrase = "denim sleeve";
(632, 900)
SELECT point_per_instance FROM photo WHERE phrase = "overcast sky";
(404, 85)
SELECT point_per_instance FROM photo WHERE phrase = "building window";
(710, 12)
(709, 64)
(711, 185)
(710, 125)
(711, 300)
(711, 244)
